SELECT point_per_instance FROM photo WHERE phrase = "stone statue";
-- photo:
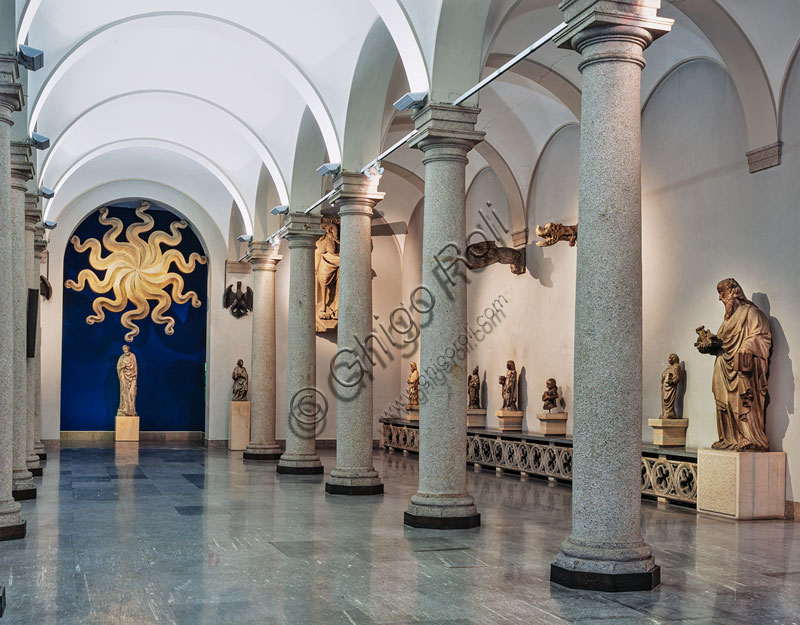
(550, 395)
(742, 349)
(509, 384)
(552, 233)
(238, 302)
(670, 379)
(413, 386)
(326, 267)
(128, 372)
(240, 380)
(474, 389)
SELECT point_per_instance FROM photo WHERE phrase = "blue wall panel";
(171, 385)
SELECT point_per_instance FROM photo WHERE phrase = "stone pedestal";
(510, 420)
(476, 417)
(669, 432)
(412, 412)
(239, 430)
(553, 423)
(127, 429)
(741, 485)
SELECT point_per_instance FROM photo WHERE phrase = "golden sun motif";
(136, 270)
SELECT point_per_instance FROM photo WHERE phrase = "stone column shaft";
(305, 404)
(21, 172)
(262, 445)
(11, 523)
(32, 217)
(605, 550)
(354, 473)
(446, 134)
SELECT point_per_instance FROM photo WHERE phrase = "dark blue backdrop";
(171, 390)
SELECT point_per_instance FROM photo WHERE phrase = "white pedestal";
(127, 429)
(510, 420)
(741, 485)
(413, 412)
(476, 418)
(669, 432)
(553, 423)
(239, 432)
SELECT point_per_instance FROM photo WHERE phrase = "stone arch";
(500, 167)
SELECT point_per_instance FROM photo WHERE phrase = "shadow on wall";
(539, 266)
(781, 377)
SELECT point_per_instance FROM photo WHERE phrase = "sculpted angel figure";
(128, 372)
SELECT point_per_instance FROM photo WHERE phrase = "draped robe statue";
(413, 385)
(670, 379)
(239, 381)
(474, 390)
(742, 349)
(128, 372)
(326, 267)
(508, 383)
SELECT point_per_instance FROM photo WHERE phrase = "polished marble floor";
(165, 535)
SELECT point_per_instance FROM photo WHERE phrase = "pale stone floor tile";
(184, 535)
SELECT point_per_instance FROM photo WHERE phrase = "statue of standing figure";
(474, 389)
(413, 386)
(742, 349)
(240, 380)
(128, 372)
(670, 379)
(508, 382)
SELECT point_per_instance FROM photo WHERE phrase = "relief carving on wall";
(137, 271)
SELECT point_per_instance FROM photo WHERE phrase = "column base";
(440, 512)
(36, 471)
(32, 462)
(605, 582)
(294, 470)
(300, 464)
(42, 455)
(261, 454)
(353, 489)
(12, 532)
(23, 494)
(442, 522)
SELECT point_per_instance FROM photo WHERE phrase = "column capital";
(590, 20)
(32, 213)
(445, 124)
(11, 96)
(303, 229)
(356, 193)
(263, 256)
(22, 169)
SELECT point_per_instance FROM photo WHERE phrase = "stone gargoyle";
(486, 253)
(553, 233)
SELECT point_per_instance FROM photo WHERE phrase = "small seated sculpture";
(413, 386)
(670, 379)
(239, 381)
(550, 395)
(474, 389)
(508, 382)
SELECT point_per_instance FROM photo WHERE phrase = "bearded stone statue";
(742, 349)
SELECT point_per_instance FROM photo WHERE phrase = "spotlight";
(30, 58)
(46, 193)
(244, 238)
(50, 225)
(413, 99)
(329, 169)
(40, 142)
(280, 210)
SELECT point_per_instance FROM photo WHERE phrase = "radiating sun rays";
(137, 271)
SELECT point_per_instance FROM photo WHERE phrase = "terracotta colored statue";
(670, 379)
(550, 395)
(128, 373)
(240, 381)
(326, 267)
(413, 385)
(474, 389)
(509, 384)
(742, 349)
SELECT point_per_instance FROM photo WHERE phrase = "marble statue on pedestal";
(240, 380)
(326, 266)
(128, 372)
(474, 389)
(670, 379)
(742, 350)
(508, 382)
(413, 386)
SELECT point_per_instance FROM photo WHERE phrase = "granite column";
(32, 217)
(445, 134)
(355, 197)
(24, 459)
(11, 523)
(262, 446)
(40, 247)
(305, 405)
(605, 550)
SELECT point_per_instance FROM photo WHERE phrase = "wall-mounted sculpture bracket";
(239, 302)
(553, 233)
(487, 253)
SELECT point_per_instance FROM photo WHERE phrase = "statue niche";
(326, 271)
